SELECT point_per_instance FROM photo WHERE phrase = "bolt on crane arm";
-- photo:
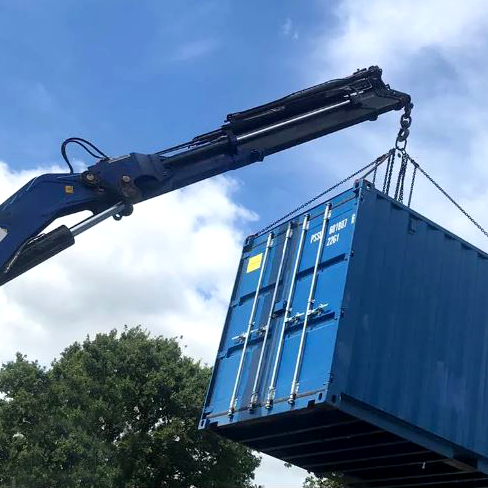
(113, 185)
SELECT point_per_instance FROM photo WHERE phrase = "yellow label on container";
(254, 263)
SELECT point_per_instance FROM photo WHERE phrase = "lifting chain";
(404, 132)
(398, 151)
(401, 176)
(444, 192)
(412, 182)
(374, 163)
(389, 171)
(400, 146)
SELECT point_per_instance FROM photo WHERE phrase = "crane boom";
(113, 185)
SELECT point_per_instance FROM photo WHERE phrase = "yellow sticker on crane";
(254, 263)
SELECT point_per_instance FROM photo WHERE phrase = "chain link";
(412, 183)
(374, 163)
(389, 157)
(389, 171)
(400, 144)
(406, 158)
(404, 132)
(444, 192)
(401, 176)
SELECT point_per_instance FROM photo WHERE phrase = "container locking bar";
(310, 302)
(295, 318)
(272, 384)
(254, 395)
(233, 399)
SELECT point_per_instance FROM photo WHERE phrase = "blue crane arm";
(113, 185)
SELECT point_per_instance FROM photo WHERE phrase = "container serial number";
(332, 239)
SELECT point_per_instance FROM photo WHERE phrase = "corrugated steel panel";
(386, 334)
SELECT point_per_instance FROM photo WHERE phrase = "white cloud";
(274, 474)
(147, 270)
(435, 51)
(191, 50)
(289, 30)
(169, 267)
(431, 50)
(287, 27)
(389, 33)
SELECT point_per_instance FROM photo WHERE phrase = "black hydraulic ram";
(112, 186)
(292, 120)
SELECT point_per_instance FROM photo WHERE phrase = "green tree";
(117, 411)
(333, 481)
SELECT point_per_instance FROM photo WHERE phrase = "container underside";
(326, 440)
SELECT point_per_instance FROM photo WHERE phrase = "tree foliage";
(117, 411)
(332, 481)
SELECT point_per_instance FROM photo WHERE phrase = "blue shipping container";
(356, 341)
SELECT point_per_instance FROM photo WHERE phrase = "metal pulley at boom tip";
(111, 186)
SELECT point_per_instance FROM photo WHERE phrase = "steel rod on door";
(254, 394)
(272, 384)
(232, 404)
(310, 301)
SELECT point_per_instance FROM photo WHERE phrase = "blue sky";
(144, 75)
(134, 75)
(140, 76)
